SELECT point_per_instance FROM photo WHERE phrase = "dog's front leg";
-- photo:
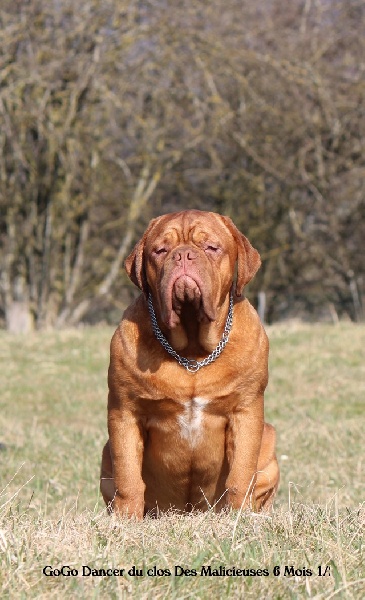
(126, 449)
(243, 441)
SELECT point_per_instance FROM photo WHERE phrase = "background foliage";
(113, 112)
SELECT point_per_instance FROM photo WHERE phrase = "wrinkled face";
(189, 258)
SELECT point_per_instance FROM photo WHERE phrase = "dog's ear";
(248, 259)
(134, 263)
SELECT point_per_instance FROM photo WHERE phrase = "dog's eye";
(160, 250)
(212, 248)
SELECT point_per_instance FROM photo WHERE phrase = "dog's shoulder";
(247, 318)
(133, 328)
(249, 340)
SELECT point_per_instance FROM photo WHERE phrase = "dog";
(188, 370)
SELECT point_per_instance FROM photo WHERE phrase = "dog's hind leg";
(268, 474)
(107, 486)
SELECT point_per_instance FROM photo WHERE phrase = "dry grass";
(52, 428)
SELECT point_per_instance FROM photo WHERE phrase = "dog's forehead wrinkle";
(185, 227)
(166, 236)
(198, 229)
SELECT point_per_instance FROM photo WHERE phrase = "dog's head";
(190, 257)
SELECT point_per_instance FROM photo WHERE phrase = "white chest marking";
(191, 420)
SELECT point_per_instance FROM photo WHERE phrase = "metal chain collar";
(192, 365)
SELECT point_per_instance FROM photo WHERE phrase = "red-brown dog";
(188, 370)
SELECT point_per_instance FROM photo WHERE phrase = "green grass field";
(52, 429)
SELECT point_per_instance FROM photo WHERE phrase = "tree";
(114, 112)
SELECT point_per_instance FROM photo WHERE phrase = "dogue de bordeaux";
(188, 370)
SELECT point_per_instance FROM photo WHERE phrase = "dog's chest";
(191, 420)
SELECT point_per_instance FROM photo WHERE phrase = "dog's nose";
(184, 254)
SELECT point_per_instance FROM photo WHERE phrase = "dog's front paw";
(238, 499)
(128, 507)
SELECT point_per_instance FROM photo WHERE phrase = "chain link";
(190, 364)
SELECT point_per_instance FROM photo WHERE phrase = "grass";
(52, 429)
